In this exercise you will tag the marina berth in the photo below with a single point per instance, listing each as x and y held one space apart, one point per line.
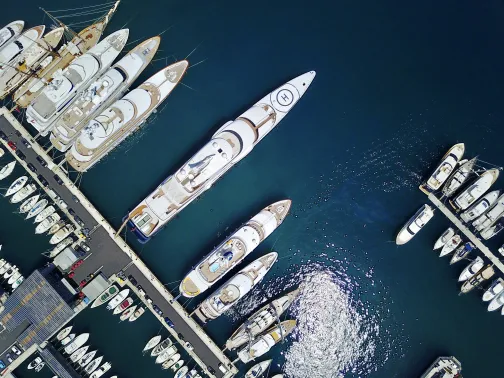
101 92
444 238
11 53
481 206
490 216
7 169
30 60
462 252
444 169
234 249
10 32
235 288
67 84
258 369
484 274
415 224
475 190
495 289
231 143
114 124
471 269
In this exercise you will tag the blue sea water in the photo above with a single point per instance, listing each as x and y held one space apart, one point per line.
397 84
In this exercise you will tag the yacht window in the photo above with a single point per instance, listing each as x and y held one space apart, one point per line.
219 150
122 73
10 29
144 220
18 44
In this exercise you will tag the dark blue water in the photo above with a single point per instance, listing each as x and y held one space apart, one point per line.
397 84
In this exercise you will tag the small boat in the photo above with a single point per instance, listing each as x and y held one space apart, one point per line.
68 339
41 211
444 169
127 313
258 322
39 367
481 206
86 359
34 363
76 343
475 190
181 372
7 170
459 177
444 367
18 282
484 274
108 294
258 369
266 341
118 299
414 224
123 305
177 365
497 302
62 233
137 314
14 278
56 227
462 252
101 370
160 347
23 193
495 289
443 239
166 354
5 267
93 365
16 186
173 359
493 229
152 343
485 220
10 272
64 333
471 269
28 204
47 223
450 246
79 353
60 247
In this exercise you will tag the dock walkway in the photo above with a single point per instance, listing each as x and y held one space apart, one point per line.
473 238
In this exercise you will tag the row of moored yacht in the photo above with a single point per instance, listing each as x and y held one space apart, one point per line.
120 303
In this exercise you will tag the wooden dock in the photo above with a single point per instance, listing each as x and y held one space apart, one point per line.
473 238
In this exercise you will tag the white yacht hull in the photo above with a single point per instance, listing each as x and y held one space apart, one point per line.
481 206
494 290
7 170
16 186
444 238
471 269
475 190
415 224
485 220
10 32
40 211
445 168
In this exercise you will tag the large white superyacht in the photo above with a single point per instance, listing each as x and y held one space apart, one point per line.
235 288
33 58
234 249
66 85
231 143
10 32
12 52
101 92
105 131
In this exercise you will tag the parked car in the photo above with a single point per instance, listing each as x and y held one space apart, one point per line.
180 336
43 181
148 299
157 309
26 143
71 212
211 370
18 133
75 199
3 136
16 350
12 145
132 280
222 368
9 358
85 247
79 221
21 155
141 291
188 345
31 167
168 322
42 162
58 180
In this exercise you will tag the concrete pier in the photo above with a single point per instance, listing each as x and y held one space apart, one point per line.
473 238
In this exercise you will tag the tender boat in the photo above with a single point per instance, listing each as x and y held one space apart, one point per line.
181 373
235 288
177 365
23 193
258 369
13 278
471 269
7 170
47 223
39 367
497 302
34 363
444 238
16 186
231 143
137 314
117 299
109 128
64 333
480 207
490 216
68 339
11 53
108 294
86 359
444 367
76 343
166 354
493 229
475 190
123 305
60 247
495 289
79 353
444 169
172 361
101 92
66 85
484 274
152 343
161 347
28 204
40 211
462 252
93 365
18 282
234 249
128 313
258 322
10 32
101 370
414 224
29 61
62 234
266 341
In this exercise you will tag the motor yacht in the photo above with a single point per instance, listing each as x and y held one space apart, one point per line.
7 170
491 215
76 343
28 204
459 177
444 367
258 369
177 365
47 223
471 269
62 234
127 313
107 295
493 229
495 289
93 365
123 305
444 238
23 193
114 302
79 353
139 312
34 363
64 333
16 186
152 343
497 302
60 247
101 370
462 252
481 206
444 169
414 224
86 359
172 361
161 347
483 274
475 190
12 52
67 340
166 354
181 373
40 212
10 32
